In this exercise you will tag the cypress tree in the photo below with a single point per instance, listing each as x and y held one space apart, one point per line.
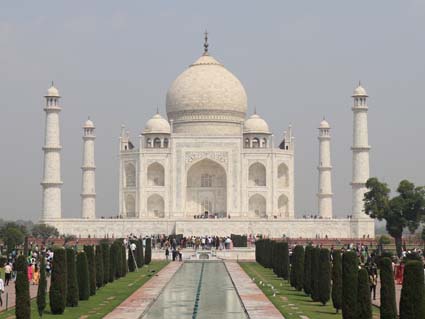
139 247
292 277
22 290
113 258
336 280
72 284
42 288
388 307
324 276
315 261
83 276
148 251
349 285
412 299
131 260
124 269
364 304
58 282
92 268
307 269
118 256
99 266
285 264
105 253
299 267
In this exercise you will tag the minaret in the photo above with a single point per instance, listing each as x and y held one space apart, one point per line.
88 193
51 182
360 152
324 194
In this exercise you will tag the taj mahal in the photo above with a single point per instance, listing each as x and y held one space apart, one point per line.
207 167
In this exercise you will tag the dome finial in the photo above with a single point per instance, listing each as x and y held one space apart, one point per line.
206 43
157 109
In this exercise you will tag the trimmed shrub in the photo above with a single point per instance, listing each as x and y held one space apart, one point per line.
72 284
412 299
105 254
148 251
278 259
131 259
113 259
388 307
58 282
42 288
364 304
91 261
299 267
118 260
99 267
315 261
324 276
139 255
349 285
83 276
285 264
337 280
124 261
307 269
239 240
22 290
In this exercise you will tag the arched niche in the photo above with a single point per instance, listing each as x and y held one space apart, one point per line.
257 175
156 174
130 206
130 175
156 206
257 206
282 205
282 176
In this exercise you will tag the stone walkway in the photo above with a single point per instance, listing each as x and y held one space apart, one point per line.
10 292
135 305
255 302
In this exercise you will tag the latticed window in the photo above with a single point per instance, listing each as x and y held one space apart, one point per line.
206 180
206 206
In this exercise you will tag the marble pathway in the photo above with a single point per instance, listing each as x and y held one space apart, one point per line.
255 302
135 305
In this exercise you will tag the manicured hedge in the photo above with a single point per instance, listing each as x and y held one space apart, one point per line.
337 279
307 269
148 251
105 256
239 240
42 288
388 307
298 264
83 276
91 261
315 262
364 303
349 285
324 276
72 284
58 282
22 289
412 300
99 267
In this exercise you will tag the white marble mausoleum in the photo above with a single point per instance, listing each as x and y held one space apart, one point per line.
206 167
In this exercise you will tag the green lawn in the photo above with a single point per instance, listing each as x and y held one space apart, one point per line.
106 298
291 303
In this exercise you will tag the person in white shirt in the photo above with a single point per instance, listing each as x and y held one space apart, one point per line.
1 291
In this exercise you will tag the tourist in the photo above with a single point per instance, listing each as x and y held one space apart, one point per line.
1 291
36 275
8 273
373 281
167 253
29 272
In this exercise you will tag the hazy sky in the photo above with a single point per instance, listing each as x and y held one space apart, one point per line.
298 60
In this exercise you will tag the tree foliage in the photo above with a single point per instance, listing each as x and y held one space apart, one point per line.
364 304
72 283
99 267
58 282
113 260
91 260
285 266
299 267
42 288
83 276
324 276
336 280
406 210
388 307
139 255
22 290
105 254
349 285
412 300
44 231
131 259
148 252
307 269
124 268
315 262
12 235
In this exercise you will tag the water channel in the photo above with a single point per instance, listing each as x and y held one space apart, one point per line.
198 290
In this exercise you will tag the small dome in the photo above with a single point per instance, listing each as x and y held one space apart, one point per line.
324 124
89 124
360 91
255 124
52 91
157 124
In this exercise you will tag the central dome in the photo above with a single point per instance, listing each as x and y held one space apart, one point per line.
206 92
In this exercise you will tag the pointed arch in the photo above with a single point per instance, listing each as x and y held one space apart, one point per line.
282 176
257 206
130 206
156 176
156 206
257 175
283 206
130 175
